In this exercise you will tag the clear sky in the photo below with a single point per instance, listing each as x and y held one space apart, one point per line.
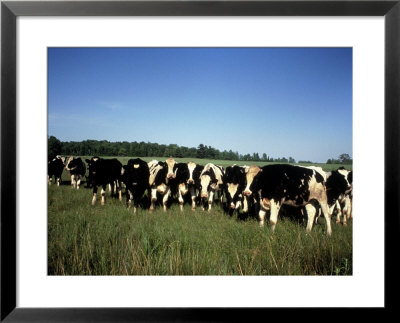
285 102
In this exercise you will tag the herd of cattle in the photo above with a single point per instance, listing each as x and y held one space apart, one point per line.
246 188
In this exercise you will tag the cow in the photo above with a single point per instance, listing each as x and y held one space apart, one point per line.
292 185
211 182
77 170
194 181
55 168
234 185
103 172
161 174
339 192
135 175
187 179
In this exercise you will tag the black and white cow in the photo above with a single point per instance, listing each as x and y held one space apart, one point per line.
55 168
103 172
135 175
292 185
77 170
339 192
234 184
194 181
161 174
187 179
211 182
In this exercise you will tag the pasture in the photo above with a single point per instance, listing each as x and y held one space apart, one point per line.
111 240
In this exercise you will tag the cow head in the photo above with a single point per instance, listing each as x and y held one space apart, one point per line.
208 181
191 168
170 163
250 178
73 163
133 171
234 179
93 166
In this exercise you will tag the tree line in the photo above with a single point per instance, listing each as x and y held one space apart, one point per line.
147 149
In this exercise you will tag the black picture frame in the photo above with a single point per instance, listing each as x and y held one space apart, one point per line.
10 10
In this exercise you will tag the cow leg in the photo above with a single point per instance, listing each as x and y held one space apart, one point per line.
261 216
153 199
94 194
311 212
349 210
165 199
193 195
327 215
72 181
78 182
338 212
49 179
129 198
103 194
273 219
346 210
119 190
180 199
58 181
210 200
245 205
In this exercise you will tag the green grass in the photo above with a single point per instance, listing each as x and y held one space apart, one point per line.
111 240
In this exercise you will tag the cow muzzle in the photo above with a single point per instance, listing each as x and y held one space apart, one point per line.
171 175
204 195
232 206
190 181
247 193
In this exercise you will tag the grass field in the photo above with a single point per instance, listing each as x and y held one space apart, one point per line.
111 240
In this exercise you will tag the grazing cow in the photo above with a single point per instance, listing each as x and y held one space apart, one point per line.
55 168
77 169
293 185
234 184
339 190
187 179
161 174
135 175
103 172
211 182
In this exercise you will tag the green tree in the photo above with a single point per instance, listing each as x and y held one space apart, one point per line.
201 151
54 147
345 159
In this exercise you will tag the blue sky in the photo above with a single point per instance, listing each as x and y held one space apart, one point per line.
285 102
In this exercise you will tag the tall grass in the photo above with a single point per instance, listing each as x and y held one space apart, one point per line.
112 240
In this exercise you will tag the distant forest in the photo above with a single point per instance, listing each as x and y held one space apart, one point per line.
143 149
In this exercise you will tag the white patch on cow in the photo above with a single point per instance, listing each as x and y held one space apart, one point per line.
154 168
69 160
318 170
232 189
238 205
162 189
136 165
